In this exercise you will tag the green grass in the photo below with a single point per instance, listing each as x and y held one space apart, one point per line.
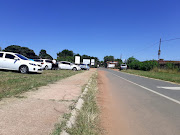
60 126
162 75
13 83
87 119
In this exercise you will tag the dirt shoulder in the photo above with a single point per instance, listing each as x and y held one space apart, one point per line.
112 119
38 111
104 100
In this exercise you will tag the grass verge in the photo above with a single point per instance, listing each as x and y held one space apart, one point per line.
13 83
87 119
167 76
60 126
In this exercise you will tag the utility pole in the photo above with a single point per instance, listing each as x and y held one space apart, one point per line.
159 51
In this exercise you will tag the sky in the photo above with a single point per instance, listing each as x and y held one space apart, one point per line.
122 28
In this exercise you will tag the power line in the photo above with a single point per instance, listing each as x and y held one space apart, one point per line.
170 39
146 47
156 44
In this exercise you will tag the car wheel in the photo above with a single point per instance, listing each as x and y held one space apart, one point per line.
46 67
23 69
74 69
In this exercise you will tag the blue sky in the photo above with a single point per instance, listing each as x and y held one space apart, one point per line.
93 27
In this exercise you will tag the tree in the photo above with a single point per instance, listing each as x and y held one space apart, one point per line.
0 49
65 55
44 55
133 63
77 54
131 59
119 62
22 50
108 58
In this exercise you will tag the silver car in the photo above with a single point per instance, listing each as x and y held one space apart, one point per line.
123 66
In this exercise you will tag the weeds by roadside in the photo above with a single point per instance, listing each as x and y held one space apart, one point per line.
13 83
172 71
87 119
59 126
167 76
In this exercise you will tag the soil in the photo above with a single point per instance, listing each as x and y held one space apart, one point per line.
112 120
104 100
36 112
115 69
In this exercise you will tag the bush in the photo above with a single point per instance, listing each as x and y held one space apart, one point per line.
146 65
170 66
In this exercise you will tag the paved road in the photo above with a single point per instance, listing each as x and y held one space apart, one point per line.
151 107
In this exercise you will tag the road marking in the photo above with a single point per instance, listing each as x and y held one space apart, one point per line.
169 88
153 91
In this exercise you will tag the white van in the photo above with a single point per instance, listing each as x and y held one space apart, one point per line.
18 62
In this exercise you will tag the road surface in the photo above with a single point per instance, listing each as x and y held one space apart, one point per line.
149 106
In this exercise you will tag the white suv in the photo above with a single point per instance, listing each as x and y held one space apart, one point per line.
68 65
46 63
14 61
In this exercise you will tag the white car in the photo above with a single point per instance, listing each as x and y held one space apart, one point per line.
68 65
14 61
46 63
123 66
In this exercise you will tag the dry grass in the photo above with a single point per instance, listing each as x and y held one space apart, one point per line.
13 83
167 75
87 119
171 71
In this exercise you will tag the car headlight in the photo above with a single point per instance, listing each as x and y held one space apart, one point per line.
32 64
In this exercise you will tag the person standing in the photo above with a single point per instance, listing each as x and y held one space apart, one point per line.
54 63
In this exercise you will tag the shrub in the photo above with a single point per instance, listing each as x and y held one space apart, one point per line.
146 65
170 66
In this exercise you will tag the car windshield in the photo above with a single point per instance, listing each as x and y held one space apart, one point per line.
22 57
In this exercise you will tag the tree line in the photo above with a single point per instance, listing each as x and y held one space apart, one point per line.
64 55
134 63
148 65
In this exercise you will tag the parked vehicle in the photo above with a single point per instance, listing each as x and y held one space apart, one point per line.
18 62
84 66
46 63
123 66
68 65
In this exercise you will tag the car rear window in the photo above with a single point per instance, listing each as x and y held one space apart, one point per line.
123 65
1 55
9 56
